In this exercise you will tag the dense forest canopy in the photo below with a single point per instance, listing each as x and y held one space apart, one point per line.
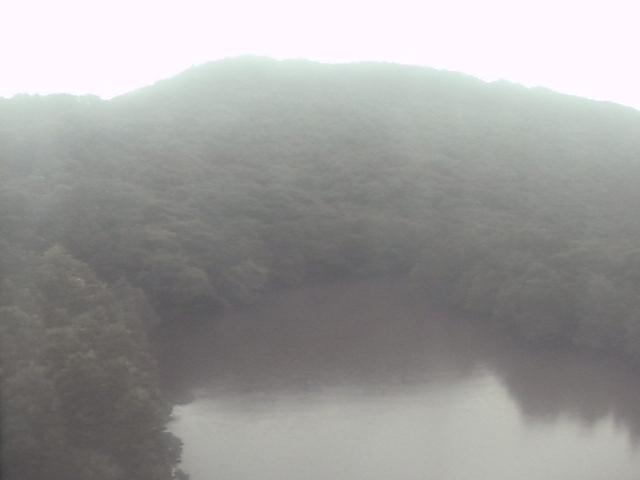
246 175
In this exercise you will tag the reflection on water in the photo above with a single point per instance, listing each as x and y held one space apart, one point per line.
366 381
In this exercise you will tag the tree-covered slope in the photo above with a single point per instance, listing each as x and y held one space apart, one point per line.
204 190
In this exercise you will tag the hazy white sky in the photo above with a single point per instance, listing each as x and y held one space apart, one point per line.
108 47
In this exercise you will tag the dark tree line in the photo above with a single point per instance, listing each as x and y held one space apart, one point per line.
243 176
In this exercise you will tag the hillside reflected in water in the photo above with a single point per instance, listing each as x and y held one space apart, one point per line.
356 346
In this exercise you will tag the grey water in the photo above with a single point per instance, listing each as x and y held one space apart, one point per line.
366 380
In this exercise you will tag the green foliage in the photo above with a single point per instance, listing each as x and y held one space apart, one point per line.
78 384
245 175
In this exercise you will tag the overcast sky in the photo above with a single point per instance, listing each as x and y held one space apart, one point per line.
108 47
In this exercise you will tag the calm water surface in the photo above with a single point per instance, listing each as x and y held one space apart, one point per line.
360 381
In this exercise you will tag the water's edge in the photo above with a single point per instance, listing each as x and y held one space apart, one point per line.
301 361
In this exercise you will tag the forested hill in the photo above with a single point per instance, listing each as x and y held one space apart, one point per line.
245 175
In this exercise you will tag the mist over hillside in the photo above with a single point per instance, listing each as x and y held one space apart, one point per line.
239 177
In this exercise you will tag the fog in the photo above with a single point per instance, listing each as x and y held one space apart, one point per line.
87 47
186 258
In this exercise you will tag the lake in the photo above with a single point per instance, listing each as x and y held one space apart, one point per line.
366 380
